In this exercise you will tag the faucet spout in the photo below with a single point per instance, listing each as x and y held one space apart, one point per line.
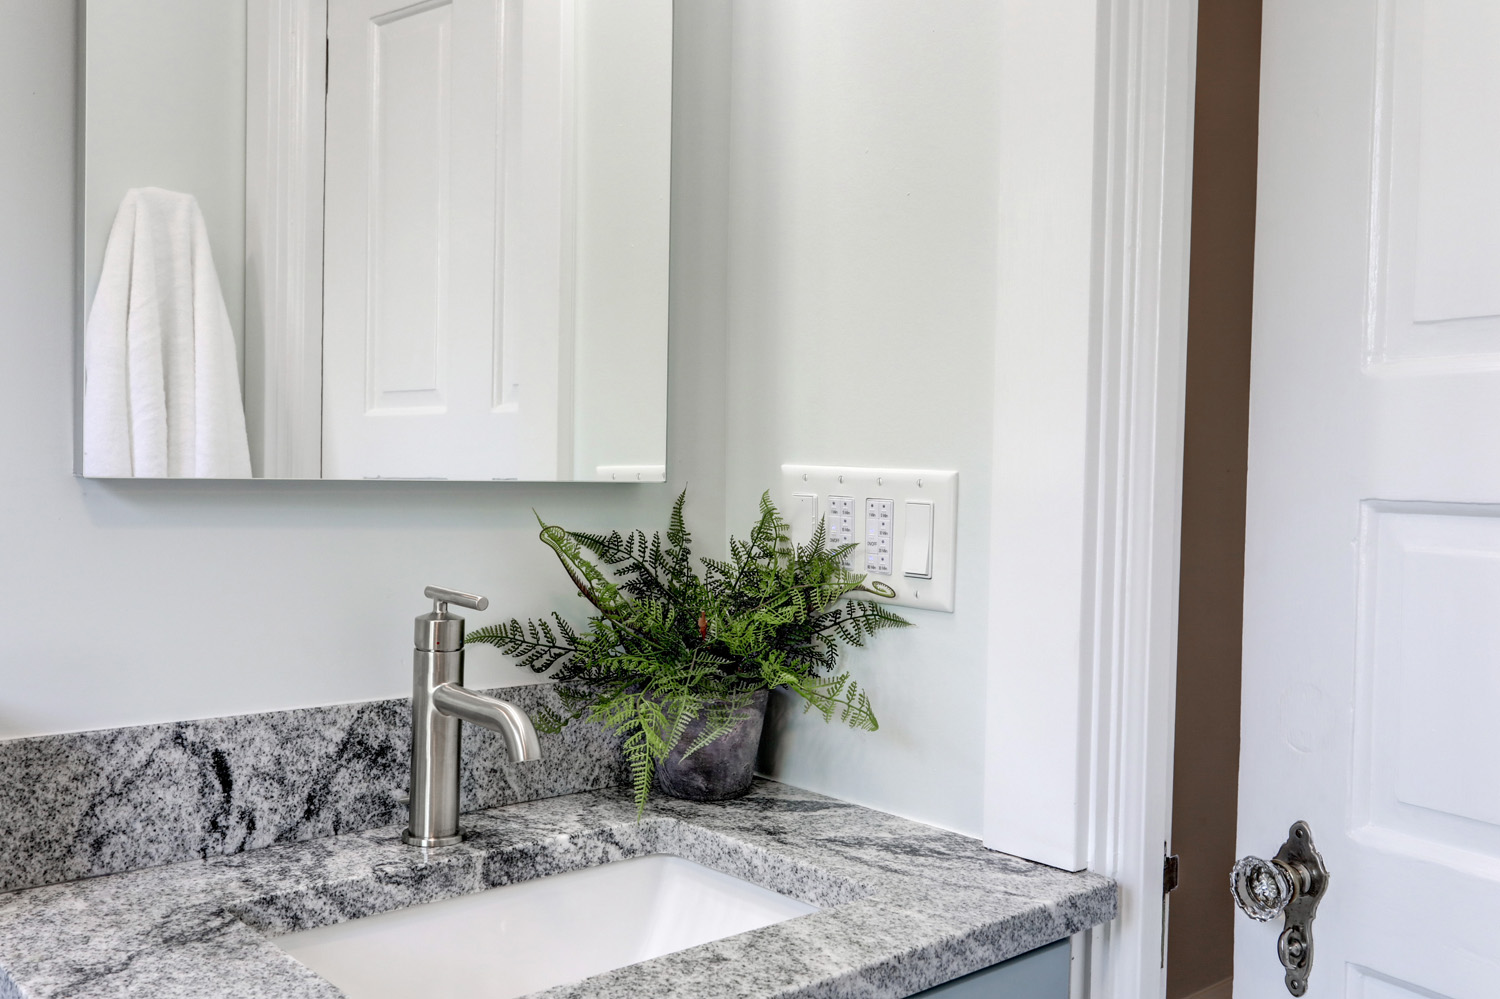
513 724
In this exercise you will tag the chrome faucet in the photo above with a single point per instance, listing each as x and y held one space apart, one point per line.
439 703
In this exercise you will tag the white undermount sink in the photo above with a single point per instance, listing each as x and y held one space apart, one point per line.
522 938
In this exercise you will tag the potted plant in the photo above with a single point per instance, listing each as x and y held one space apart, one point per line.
678 659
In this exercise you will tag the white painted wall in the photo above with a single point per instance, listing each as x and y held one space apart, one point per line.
862 321
166 99
127 603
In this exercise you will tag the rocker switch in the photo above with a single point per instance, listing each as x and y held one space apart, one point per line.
916 554
804 516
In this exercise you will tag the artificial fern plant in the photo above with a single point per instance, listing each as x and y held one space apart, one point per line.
667 642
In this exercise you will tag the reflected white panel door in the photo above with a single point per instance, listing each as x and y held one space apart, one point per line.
1372 599
443 228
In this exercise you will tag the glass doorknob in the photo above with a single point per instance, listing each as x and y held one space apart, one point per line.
1290 884
1262 888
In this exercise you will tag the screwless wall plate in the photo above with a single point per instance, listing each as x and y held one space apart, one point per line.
876 508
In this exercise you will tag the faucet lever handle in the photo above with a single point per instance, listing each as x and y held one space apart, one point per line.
443 595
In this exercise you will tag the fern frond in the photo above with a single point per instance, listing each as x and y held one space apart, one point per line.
592 583
533 645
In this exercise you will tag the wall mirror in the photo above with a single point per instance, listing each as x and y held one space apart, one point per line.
375 239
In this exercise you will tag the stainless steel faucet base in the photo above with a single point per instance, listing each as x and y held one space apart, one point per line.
439 706
431 841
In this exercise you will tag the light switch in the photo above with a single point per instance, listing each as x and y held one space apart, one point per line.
804 516
916 554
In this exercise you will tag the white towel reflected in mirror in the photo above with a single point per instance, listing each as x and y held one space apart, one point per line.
162 397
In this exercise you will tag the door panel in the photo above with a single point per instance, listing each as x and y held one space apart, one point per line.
1435 224
1372 596
1365 985
409 111
1428 685
447 129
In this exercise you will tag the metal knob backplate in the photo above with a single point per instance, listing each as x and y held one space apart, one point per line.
1290 884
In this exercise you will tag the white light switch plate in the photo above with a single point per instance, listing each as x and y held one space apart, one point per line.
900 486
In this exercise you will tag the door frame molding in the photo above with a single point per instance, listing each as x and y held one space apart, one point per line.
286 43
1148 76
1096 163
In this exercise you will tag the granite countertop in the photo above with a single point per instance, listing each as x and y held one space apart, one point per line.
904 906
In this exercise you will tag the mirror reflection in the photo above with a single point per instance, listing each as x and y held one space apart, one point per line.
375 239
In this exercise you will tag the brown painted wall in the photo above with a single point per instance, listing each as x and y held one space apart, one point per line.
1201 931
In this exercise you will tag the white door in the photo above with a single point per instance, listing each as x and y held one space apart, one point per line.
443 236
1371 701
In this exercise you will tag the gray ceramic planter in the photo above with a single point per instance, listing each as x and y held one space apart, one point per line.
722 769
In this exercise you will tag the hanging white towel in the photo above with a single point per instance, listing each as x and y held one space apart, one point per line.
162 396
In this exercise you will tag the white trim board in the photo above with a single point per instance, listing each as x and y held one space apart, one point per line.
1096 149
1151 63
1041 495
287 42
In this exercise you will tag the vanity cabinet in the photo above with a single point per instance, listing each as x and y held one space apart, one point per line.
1040 974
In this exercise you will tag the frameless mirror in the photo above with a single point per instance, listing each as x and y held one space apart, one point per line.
375 239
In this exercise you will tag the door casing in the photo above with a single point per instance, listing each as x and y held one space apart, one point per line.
1101 680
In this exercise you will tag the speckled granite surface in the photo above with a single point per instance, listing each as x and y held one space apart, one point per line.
91 803
904 906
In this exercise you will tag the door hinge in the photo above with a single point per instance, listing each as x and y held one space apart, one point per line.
1169 874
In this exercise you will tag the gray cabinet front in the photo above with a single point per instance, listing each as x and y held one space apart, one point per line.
1040 974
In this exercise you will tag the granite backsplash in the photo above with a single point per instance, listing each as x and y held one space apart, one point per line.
90 803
